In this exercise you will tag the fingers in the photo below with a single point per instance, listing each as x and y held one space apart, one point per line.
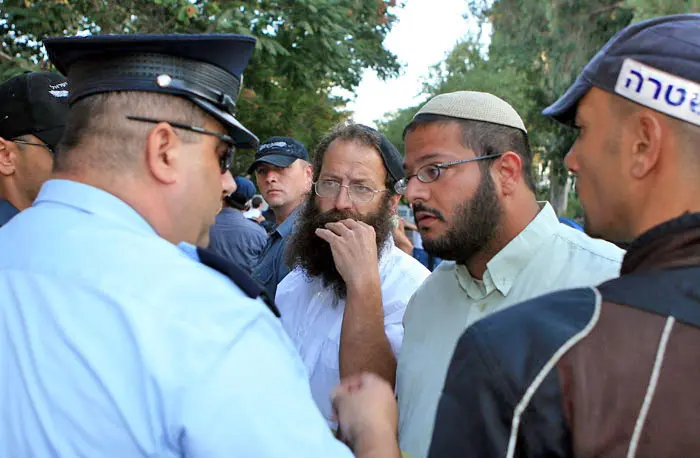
325 234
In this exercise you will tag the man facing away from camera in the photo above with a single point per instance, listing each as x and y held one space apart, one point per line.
119 337
343 303
234 236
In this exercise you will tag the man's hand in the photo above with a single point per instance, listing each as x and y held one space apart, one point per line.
354 247
367 415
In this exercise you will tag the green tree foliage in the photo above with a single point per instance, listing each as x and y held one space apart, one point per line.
304 48
536 50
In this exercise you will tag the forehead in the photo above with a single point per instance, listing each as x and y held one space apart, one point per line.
435 141
352 159
593 104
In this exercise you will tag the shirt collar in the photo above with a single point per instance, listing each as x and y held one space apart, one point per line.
7 210
287 225
503 269
92 200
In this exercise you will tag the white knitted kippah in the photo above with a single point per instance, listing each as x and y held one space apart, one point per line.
477 106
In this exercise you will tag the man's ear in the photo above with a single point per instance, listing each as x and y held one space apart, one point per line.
163 153
8 157
308 176
646 151
394 204
508 172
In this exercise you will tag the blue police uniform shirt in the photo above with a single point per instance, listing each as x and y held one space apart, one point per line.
271 268
7 211
237 238
118 343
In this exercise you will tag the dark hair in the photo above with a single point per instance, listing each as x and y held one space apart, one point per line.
109 141
349 131
485 138
235 201
256 202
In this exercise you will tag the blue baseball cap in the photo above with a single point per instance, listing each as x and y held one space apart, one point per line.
206 69
655 63
245 190
280 152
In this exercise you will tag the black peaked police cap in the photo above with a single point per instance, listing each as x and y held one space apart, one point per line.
206 69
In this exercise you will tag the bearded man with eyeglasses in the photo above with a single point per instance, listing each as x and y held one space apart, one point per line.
468 166
33 110
344 300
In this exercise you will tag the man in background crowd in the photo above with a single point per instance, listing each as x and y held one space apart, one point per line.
255 210
283 173
234 236
33 110
468 166
343 303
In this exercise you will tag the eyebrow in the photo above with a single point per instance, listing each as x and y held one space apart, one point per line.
353 180
429 158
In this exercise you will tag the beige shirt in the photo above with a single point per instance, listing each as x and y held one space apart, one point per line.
545 257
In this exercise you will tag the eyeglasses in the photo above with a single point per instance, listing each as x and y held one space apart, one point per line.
22 142
225 160
329 189
431 172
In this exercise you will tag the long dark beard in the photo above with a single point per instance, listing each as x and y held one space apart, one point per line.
313 254
475 224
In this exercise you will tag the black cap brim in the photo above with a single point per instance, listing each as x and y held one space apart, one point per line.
243 137
278 160
564 109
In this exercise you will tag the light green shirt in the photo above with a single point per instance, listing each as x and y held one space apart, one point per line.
545 257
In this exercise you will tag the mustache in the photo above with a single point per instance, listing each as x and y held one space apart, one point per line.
419 207
333 216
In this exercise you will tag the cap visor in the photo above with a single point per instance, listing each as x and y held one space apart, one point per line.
278 160
564 109
241 135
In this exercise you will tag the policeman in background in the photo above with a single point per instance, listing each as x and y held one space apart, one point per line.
33 110
234 236
117 338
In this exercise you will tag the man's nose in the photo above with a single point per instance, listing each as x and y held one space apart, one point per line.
228 184
342 200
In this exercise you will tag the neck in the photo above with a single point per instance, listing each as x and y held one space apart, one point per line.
513 222
131 191
10 193
282 213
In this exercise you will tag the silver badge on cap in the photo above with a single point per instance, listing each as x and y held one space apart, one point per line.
164 80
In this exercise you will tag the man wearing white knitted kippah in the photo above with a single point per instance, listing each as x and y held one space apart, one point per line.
468 177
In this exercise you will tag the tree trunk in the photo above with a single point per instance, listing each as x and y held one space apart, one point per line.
559 184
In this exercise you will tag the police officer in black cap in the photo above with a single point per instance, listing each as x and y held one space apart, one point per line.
33 110
120 338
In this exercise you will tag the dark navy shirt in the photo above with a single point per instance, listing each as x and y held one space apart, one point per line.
271 268
237 238
7 211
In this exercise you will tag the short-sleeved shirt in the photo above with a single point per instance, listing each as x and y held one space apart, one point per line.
7 211
546 256
117 343
271 267
237 238
313 316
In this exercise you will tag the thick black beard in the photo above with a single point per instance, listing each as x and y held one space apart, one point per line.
475 224
313 254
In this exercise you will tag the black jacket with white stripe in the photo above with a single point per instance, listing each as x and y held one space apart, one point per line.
602 372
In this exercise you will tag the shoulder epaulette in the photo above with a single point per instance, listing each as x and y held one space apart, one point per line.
237 275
